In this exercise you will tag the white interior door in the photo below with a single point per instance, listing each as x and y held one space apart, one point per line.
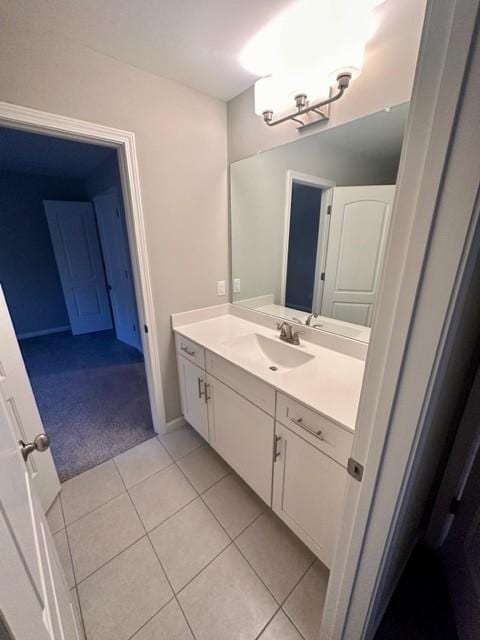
113 238
34 598
356 244
73 231
17 393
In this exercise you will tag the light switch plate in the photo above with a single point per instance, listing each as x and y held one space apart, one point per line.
221 287
236 285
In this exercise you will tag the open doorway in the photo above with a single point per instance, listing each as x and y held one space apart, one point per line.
67 276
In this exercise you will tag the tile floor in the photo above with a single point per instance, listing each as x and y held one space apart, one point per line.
166 541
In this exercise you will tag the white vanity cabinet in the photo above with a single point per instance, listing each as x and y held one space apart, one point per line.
308 491
294 458
243 435
193 395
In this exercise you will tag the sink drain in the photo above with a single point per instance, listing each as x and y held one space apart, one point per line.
273 368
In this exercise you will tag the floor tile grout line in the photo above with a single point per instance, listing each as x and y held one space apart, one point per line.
104 564
203 568
287 615
280 603
232 541
174 596
121 478
63 482
240 551
265 627
171 586
82 620
293 589
206 444
150 619
150 475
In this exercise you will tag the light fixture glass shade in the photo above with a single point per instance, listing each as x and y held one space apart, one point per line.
310 34
272 94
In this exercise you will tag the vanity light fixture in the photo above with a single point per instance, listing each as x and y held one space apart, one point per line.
310 47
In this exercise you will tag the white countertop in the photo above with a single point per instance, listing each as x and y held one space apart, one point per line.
329 383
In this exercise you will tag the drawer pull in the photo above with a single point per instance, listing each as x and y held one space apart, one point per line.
276 448
187 350
317 433
200 392
207 387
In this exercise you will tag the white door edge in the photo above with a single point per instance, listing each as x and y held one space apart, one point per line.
378 507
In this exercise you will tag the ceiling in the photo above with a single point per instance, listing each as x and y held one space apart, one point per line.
195 42
24 152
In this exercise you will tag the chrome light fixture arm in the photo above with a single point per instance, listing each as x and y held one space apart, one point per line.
343 82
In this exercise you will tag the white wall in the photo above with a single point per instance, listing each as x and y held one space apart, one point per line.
258 203
182 153
386 79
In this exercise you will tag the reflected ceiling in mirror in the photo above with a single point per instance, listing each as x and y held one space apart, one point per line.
309 223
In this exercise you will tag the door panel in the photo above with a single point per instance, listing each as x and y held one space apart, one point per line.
308 492
114 241
192 391
17 392
76 246
33 594
358 230
235 424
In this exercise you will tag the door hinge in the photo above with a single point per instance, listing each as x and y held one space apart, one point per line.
134 327
322 276
454 506
329 210
117 212
145 328
355 469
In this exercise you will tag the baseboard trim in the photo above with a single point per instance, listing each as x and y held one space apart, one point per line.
175 424
43 332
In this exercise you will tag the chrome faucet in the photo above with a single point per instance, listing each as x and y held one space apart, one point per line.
309 318
288 333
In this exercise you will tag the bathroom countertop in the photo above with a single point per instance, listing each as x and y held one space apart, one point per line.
329 383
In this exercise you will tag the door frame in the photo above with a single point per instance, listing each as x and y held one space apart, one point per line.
418 334
35 121
327 187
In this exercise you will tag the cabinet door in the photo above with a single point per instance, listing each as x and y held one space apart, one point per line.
192 390
243 435
308 492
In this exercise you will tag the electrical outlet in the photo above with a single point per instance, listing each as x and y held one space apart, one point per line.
236 285
221 287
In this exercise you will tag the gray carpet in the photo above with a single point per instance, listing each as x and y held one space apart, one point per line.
92 395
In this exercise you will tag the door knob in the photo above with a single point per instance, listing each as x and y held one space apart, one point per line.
40 443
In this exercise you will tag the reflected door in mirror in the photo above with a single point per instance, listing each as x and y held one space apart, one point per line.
356 244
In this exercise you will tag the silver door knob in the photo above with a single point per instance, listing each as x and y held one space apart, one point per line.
40 443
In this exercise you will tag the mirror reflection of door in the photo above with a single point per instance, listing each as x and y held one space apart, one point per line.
356 243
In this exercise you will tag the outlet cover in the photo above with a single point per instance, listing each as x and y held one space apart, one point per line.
236 285
221 287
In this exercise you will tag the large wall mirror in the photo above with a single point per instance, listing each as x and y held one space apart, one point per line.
309 223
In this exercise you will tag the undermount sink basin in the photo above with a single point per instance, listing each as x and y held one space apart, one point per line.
262 351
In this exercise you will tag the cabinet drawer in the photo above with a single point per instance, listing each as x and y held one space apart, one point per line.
259 393
190 350
320 432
